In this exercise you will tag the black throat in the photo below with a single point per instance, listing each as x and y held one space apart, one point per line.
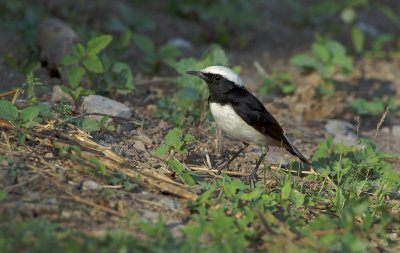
225 92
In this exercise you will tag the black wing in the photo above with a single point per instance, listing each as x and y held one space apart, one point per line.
251 110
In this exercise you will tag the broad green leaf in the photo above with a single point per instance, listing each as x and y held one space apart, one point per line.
255 194
69 60
93 64
8 110
169 52
144 43
125 71
320 51
348 15
297 198
303 60
179 169
90 125
173 136
79 50
286 189
3 195
30 113
97 44
358 39
75 75
161 150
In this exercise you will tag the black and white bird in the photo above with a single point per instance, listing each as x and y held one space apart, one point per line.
240 114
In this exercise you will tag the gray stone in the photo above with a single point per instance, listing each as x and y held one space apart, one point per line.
55 40
396 131
58 94
138 145
100 104
169 202
90 185
181 44
342 132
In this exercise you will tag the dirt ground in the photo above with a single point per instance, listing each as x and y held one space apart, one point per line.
48 191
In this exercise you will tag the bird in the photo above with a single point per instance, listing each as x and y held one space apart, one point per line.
240 115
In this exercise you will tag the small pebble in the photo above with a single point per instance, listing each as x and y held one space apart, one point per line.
90 185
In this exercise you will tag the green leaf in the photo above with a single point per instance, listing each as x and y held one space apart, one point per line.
348 15
303 60
144 43
90 125
183 174
161 150
173 136
69 60
168 52
297 198
286 189
93 64
358 39
321 52
3 195
75 75
255 194
79 50
95 45
30 113
8 110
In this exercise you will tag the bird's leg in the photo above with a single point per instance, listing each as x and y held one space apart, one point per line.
222 165
253 175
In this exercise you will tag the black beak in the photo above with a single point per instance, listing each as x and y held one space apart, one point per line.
198 74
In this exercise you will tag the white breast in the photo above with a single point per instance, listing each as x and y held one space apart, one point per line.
233 125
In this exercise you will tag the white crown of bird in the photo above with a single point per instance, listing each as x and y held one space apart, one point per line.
225 72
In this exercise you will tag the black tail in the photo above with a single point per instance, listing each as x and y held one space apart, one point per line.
294 151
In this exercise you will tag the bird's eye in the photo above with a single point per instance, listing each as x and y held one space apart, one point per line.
217 77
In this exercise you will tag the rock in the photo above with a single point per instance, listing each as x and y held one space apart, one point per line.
138 145
342 132
150 216
90 185
181 44
55 39
276 158
169 202
100 104
58 94
395 195
49 155
396 131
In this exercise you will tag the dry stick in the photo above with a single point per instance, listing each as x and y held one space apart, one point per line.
195 168
163 183
97 114
378 126
15 186
76 198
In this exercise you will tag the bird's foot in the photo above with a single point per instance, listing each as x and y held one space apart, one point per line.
252 178
222 165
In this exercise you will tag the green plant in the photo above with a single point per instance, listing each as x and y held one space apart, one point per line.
84 62
275 83
327 58
226 20
189 103
153 56
25 67
376 107
29 86
22 120
176 142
